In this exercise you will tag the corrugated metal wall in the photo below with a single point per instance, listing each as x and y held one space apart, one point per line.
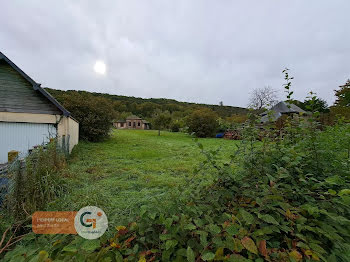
23 136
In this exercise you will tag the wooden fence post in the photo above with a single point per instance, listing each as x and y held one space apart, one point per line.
12 155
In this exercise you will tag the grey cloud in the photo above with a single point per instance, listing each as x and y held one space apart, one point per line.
200 51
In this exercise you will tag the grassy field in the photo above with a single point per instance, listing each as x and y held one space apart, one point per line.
124 172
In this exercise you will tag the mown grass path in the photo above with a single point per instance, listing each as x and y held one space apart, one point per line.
124 172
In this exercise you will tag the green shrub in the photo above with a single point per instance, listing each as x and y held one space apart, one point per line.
94 114
203 123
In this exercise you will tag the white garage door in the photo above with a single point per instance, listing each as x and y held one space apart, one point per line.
23 136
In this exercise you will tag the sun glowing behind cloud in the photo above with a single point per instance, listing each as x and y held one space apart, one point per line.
100 67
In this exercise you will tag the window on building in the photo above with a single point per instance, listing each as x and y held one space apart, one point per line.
139 124
129 123
121 124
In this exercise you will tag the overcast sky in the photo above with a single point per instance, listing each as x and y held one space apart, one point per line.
189 50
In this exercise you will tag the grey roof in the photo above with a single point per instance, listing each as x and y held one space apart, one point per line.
121 121
285 107
35 85
278 110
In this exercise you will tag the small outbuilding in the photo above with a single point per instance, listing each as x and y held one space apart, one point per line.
29 115
281 109
132 122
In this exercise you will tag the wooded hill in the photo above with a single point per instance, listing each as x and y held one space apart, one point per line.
146 107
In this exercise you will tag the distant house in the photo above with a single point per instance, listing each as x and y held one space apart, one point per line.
30 116
132 122
279 110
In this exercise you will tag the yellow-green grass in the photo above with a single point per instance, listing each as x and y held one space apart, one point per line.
131 167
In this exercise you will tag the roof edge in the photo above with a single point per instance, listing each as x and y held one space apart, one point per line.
36 86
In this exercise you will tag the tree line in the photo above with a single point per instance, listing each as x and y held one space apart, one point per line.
96 113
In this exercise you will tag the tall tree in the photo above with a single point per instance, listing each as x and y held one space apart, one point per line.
261 98
341 105
343 95
315 104
161 120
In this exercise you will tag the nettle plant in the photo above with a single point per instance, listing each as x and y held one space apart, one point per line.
283 197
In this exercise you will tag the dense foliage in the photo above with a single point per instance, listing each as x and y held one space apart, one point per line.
318 104
343 95
203 123
146 108
94 114
341 106
96 111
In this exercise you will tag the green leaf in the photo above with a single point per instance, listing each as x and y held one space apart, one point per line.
332 192
246 216
232 230
208 256
90 245
118 256
334 180
190 226
268 219
198 222
214 229
165 237
344 192
43 255
168 222
249 244
190 255
143 210
70 248
170 243
203 237
237 245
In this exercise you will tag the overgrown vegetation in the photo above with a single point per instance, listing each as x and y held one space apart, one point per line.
34 182
285 198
